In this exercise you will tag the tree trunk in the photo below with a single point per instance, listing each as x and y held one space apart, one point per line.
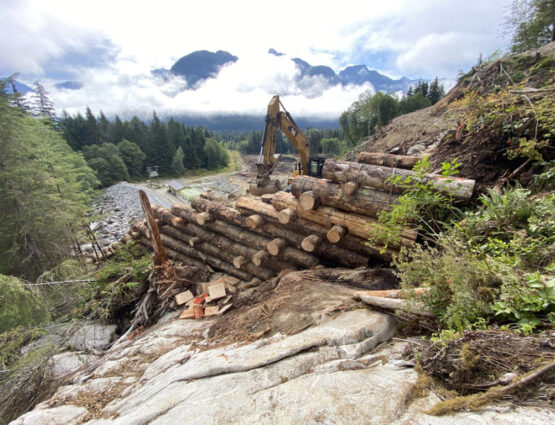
365 201
356 225
388 160
376 176
160 257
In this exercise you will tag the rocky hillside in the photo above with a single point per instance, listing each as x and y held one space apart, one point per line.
298 350
455 128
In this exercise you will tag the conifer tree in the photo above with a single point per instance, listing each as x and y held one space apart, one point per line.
42 106
436 91
44 185
177 162
532 23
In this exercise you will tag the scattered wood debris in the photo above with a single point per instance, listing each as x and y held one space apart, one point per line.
214 300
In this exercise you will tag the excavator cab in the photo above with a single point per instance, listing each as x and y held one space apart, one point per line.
315 166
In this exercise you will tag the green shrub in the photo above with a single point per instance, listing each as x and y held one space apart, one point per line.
421 205
461 286
495 264
18 305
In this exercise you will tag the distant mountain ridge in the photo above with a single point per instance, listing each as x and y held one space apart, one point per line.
201 65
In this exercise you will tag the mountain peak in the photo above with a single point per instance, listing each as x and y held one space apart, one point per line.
201 65
274 52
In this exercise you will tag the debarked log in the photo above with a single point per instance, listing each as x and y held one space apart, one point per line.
357 225
365 201
227 250
295 233
185 249
389 160
379 177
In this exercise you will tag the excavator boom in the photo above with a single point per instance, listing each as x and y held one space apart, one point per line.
277 119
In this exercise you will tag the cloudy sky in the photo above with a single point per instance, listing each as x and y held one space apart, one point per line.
112 45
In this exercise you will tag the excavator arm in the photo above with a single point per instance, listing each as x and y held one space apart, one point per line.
276 119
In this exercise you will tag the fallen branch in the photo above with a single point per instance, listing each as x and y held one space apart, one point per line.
476 401
393 304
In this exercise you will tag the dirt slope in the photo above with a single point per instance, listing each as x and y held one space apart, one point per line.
440 129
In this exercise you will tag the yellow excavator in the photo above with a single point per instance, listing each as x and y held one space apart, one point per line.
277 119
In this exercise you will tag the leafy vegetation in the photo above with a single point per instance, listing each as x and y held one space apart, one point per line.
421 205
493 265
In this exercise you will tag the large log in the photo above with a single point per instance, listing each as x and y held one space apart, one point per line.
357 225
240 234
388 159
220 247
188 251
223 212
365 201
376 177
354 255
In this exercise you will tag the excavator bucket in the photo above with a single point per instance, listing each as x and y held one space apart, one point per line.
271 186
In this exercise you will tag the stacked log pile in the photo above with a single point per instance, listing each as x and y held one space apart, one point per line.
322 221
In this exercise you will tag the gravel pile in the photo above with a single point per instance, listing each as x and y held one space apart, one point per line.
119 205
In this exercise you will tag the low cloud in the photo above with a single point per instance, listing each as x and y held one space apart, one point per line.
246 86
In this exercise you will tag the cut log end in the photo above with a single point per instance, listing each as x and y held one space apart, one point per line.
350 188
194 241
287 216
255 221
276 246
308 200
203 218
311 243
267 198
260 258
239 261
336 233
